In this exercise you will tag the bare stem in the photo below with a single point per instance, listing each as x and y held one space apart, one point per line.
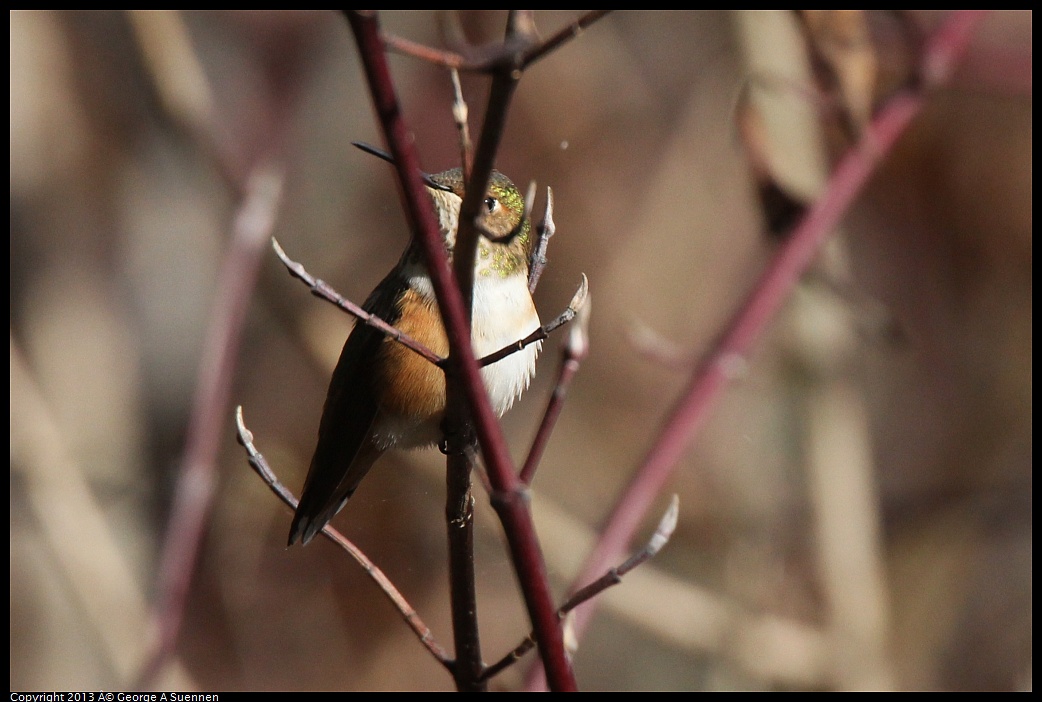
261 467
490 57
667 525
459 116
573 351
544 231
320 288
459 519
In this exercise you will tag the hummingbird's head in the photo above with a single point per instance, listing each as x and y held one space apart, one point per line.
505 239
504 244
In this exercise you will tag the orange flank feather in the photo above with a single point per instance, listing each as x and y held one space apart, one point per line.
412 386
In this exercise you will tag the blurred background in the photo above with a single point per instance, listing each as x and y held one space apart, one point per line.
857 512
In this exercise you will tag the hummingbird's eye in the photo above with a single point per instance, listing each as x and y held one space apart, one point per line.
491 203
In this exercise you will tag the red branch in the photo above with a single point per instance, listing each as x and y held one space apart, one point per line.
516 519
690 412
193 497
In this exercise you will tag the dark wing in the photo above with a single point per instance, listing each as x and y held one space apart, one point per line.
345 453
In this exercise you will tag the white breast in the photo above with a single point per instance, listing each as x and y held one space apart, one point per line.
503 314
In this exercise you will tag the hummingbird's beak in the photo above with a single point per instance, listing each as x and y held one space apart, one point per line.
380 153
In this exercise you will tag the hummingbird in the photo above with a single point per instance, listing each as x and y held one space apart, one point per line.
383 395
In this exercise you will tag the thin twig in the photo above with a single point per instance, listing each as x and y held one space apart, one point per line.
577 303
573 351
544 231
320 288
659 539
667 525
564 34
459 116
490 57
438 57
261 467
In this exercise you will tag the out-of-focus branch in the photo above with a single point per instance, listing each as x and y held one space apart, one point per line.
193 495
184 90
690 412
85 547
